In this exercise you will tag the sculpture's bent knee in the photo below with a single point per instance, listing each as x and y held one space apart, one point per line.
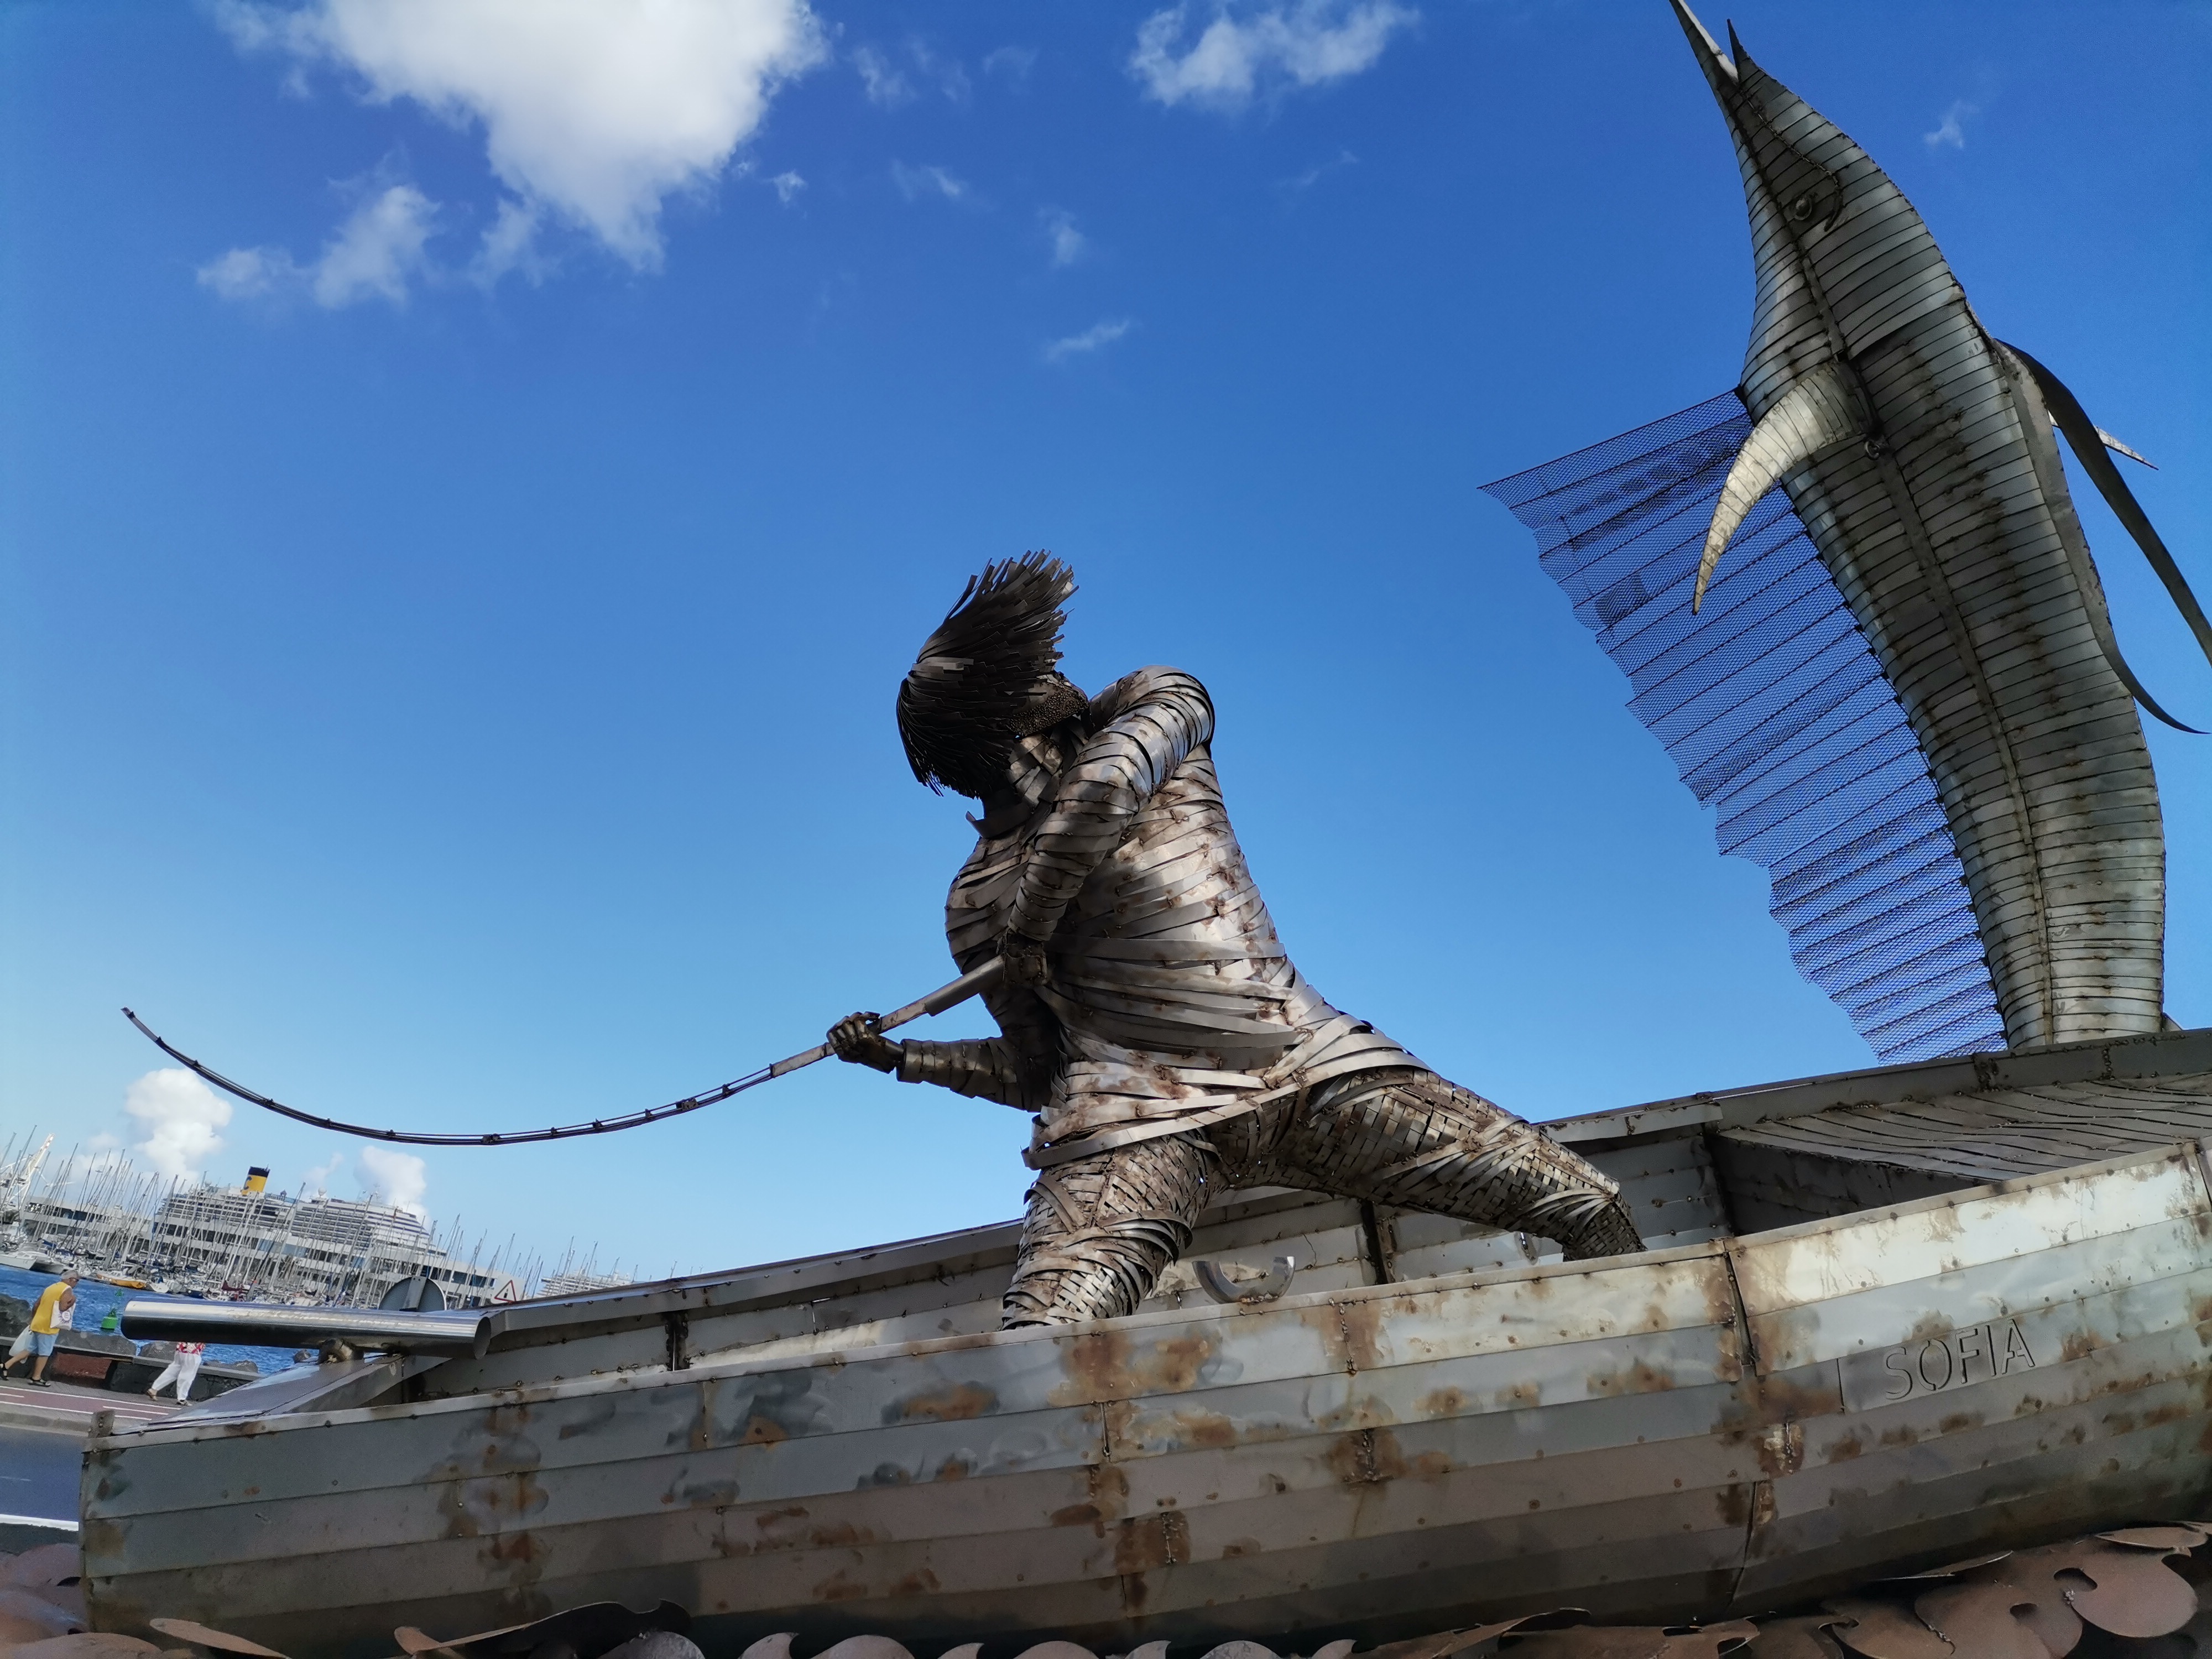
1101 1230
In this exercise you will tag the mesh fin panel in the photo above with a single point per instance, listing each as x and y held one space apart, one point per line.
1777 716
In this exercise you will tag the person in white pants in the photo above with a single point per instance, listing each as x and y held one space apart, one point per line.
182 1370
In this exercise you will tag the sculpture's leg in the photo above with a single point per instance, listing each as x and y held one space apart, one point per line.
1101 1229
1413 1140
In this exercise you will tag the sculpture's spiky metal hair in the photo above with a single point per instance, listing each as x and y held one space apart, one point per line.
988 676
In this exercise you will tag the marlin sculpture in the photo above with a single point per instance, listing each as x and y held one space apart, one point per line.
2014 896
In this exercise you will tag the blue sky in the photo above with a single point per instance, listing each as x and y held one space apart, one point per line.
469 499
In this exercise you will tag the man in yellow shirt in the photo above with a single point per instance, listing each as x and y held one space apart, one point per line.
44 1329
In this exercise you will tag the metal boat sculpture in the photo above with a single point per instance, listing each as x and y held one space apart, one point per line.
1963 1304
1885 1319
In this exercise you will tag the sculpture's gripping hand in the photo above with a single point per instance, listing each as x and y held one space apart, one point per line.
1024 959
859 1039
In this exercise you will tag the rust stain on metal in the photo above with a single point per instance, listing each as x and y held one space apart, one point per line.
1810 1391
1641 1378
1144 1542
1780 1448
1360 1325
1452 1402
1104 1366
1202 1428
1107 1500
957 1403
1366 1457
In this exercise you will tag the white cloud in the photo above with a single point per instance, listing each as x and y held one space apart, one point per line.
392 1177
511 245
249 273
1091 339
1015 63
1953 129
318 1178
916 182
945 73
179 1116
593 111
881 79
788 185
1243 50
376 251
1299 182
889 79
374 254
1068 243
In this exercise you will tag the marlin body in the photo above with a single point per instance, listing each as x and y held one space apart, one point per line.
1918 451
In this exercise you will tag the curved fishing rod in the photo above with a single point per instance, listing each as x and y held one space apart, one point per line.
945 996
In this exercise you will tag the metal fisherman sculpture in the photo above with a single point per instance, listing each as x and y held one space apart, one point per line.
1149 1015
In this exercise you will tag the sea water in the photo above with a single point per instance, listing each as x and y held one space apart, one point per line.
95 1301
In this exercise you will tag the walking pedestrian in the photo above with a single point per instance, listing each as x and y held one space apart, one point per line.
55 1304
184 1367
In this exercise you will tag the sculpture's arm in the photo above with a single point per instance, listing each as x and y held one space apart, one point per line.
986 1068
1144 727
1015 1069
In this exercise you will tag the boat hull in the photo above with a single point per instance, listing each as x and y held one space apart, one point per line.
1724 1427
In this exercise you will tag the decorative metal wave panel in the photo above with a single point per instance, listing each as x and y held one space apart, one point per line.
1777 716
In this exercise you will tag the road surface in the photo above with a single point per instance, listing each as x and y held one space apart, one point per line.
37 1472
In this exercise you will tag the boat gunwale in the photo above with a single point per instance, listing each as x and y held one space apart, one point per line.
2093 1059
172 1430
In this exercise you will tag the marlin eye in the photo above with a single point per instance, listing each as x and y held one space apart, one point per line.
1801 209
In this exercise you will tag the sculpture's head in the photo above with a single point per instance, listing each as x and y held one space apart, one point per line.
988 679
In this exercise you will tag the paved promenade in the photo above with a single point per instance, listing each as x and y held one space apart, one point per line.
66 1408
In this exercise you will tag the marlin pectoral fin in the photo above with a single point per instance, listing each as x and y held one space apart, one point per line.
1817 413
2119 448
2088 445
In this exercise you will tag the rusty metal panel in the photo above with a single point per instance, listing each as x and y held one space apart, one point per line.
1823 1290
1979 1370
1138 1470
1427 1246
